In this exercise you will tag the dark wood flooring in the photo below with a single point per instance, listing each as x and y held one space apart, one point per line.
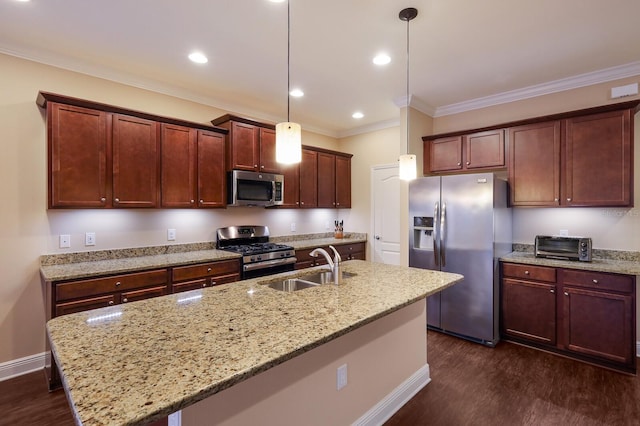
471 385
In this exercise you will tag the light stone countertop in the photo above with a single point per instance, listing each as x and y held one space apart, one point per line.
150 358
132 261
597 265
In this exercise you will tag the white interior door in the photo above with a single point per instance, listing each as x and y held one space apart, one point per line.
385 189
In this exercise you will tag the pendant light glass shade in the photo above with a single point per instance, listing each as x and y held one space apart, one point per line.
407 167
288 143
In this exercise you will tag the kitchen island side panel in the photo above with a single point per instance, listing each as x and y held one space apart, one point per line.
379 357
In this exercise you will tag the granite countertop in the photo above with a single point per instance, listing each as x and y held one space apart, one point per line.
92 264
598 265
145 360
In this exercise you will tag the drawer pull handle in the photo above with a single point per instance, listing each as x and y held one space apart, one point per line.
566 294
117 283
213 282
552 291
125 300
208 269
526 272
110 302
204 284
595 281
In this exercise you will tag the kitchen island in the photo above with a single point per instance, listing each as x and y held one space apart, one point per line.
139 362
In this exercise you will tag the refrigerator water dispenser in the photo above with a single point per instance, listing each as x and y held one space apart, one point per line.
423 232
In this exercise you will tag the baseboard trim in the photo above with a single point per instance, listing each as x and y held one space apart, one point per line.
383 410
20 366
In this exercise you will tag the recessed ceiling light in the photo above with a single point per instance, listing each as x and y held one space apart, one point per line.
296 93
276 1
198 58
381 59
357 115
23 1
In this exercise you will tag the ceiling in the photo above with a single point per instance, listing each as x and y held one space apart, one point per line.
463 54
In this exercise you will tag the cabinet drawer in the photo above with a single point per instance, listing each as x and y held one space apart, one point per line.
84 288
346 249
598 280
192 272
84 305
529 272
147 293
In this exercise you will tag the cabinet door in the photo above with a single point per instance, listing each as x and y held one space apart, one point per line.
445 154
268 151
245 148
326 180
212 188
135 162
309 179
77 157
599 324
291 174
343 182
484 149
529 310
534 164
178 166
598 160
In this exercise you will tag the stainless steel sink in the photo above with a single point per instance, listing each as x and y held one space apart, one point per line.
306 281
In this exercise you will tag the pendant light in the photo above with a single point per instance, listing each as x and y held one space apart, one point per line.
288 134
407 169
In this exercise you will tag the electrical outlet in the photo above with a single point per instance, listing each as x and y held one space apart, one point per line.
65 241
90 239
341 377
171 234
293 227
564 233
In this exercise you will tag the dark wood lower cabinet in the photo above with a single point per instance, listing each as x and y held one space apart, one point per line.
590 316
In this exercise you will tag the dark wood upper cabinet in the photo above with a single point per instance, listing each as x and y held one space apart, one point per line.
268 151
178 166
308 179
135 162
78 144
291 173
598 160
211 169
103 156
343 182
326 180
534 164
474 151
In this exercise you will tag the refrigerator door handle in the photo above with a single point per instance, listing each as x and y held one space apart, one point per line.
443 228
436 253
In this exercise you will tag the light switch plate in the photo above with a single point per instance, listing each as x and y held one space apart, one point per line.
65 241
341 378
171 234
90 239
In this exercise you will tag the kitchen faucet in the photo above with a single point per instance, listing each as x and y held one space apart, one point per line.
334 264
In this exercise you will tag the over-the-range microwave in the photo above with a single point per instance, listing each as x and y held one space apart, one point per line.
254 189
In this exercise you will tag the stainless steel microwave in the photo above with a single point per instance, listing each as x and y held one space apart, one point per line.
566 248
254 189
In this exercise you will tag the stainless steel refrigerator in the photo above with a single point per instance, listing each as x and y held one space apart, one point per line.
461 224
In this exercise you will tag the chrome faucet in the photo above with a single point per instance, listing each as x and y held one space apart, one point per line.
334 264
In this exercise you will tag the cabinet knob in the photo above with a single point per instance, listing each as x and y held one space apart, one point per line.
337 204
204 284
302 202
333 204
595 281
262 167
526 272
569 199
459 164
255 165
125 300
117 283
555 199
110 302
193 201
208 269
103 200
552 291
117 200
297 202
468 162
213 282
566 294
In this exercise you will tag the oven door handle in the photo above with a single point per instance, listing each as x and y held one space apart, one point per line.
269 263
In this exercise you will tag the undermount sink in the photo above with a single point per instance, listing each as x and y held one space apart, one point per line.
306 281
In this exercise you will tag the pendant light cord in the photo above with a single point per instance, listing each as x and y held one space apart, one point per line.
408 100
288 56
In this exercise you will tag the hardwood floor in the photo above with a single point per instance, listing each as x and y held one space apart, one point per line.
514 385
471 385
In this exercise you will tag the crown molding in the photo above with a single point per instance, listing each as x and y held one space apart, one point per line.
415 103
581 80
380 125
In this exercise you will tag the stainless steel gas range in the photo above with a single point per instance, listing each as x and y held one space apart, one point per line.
259 256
